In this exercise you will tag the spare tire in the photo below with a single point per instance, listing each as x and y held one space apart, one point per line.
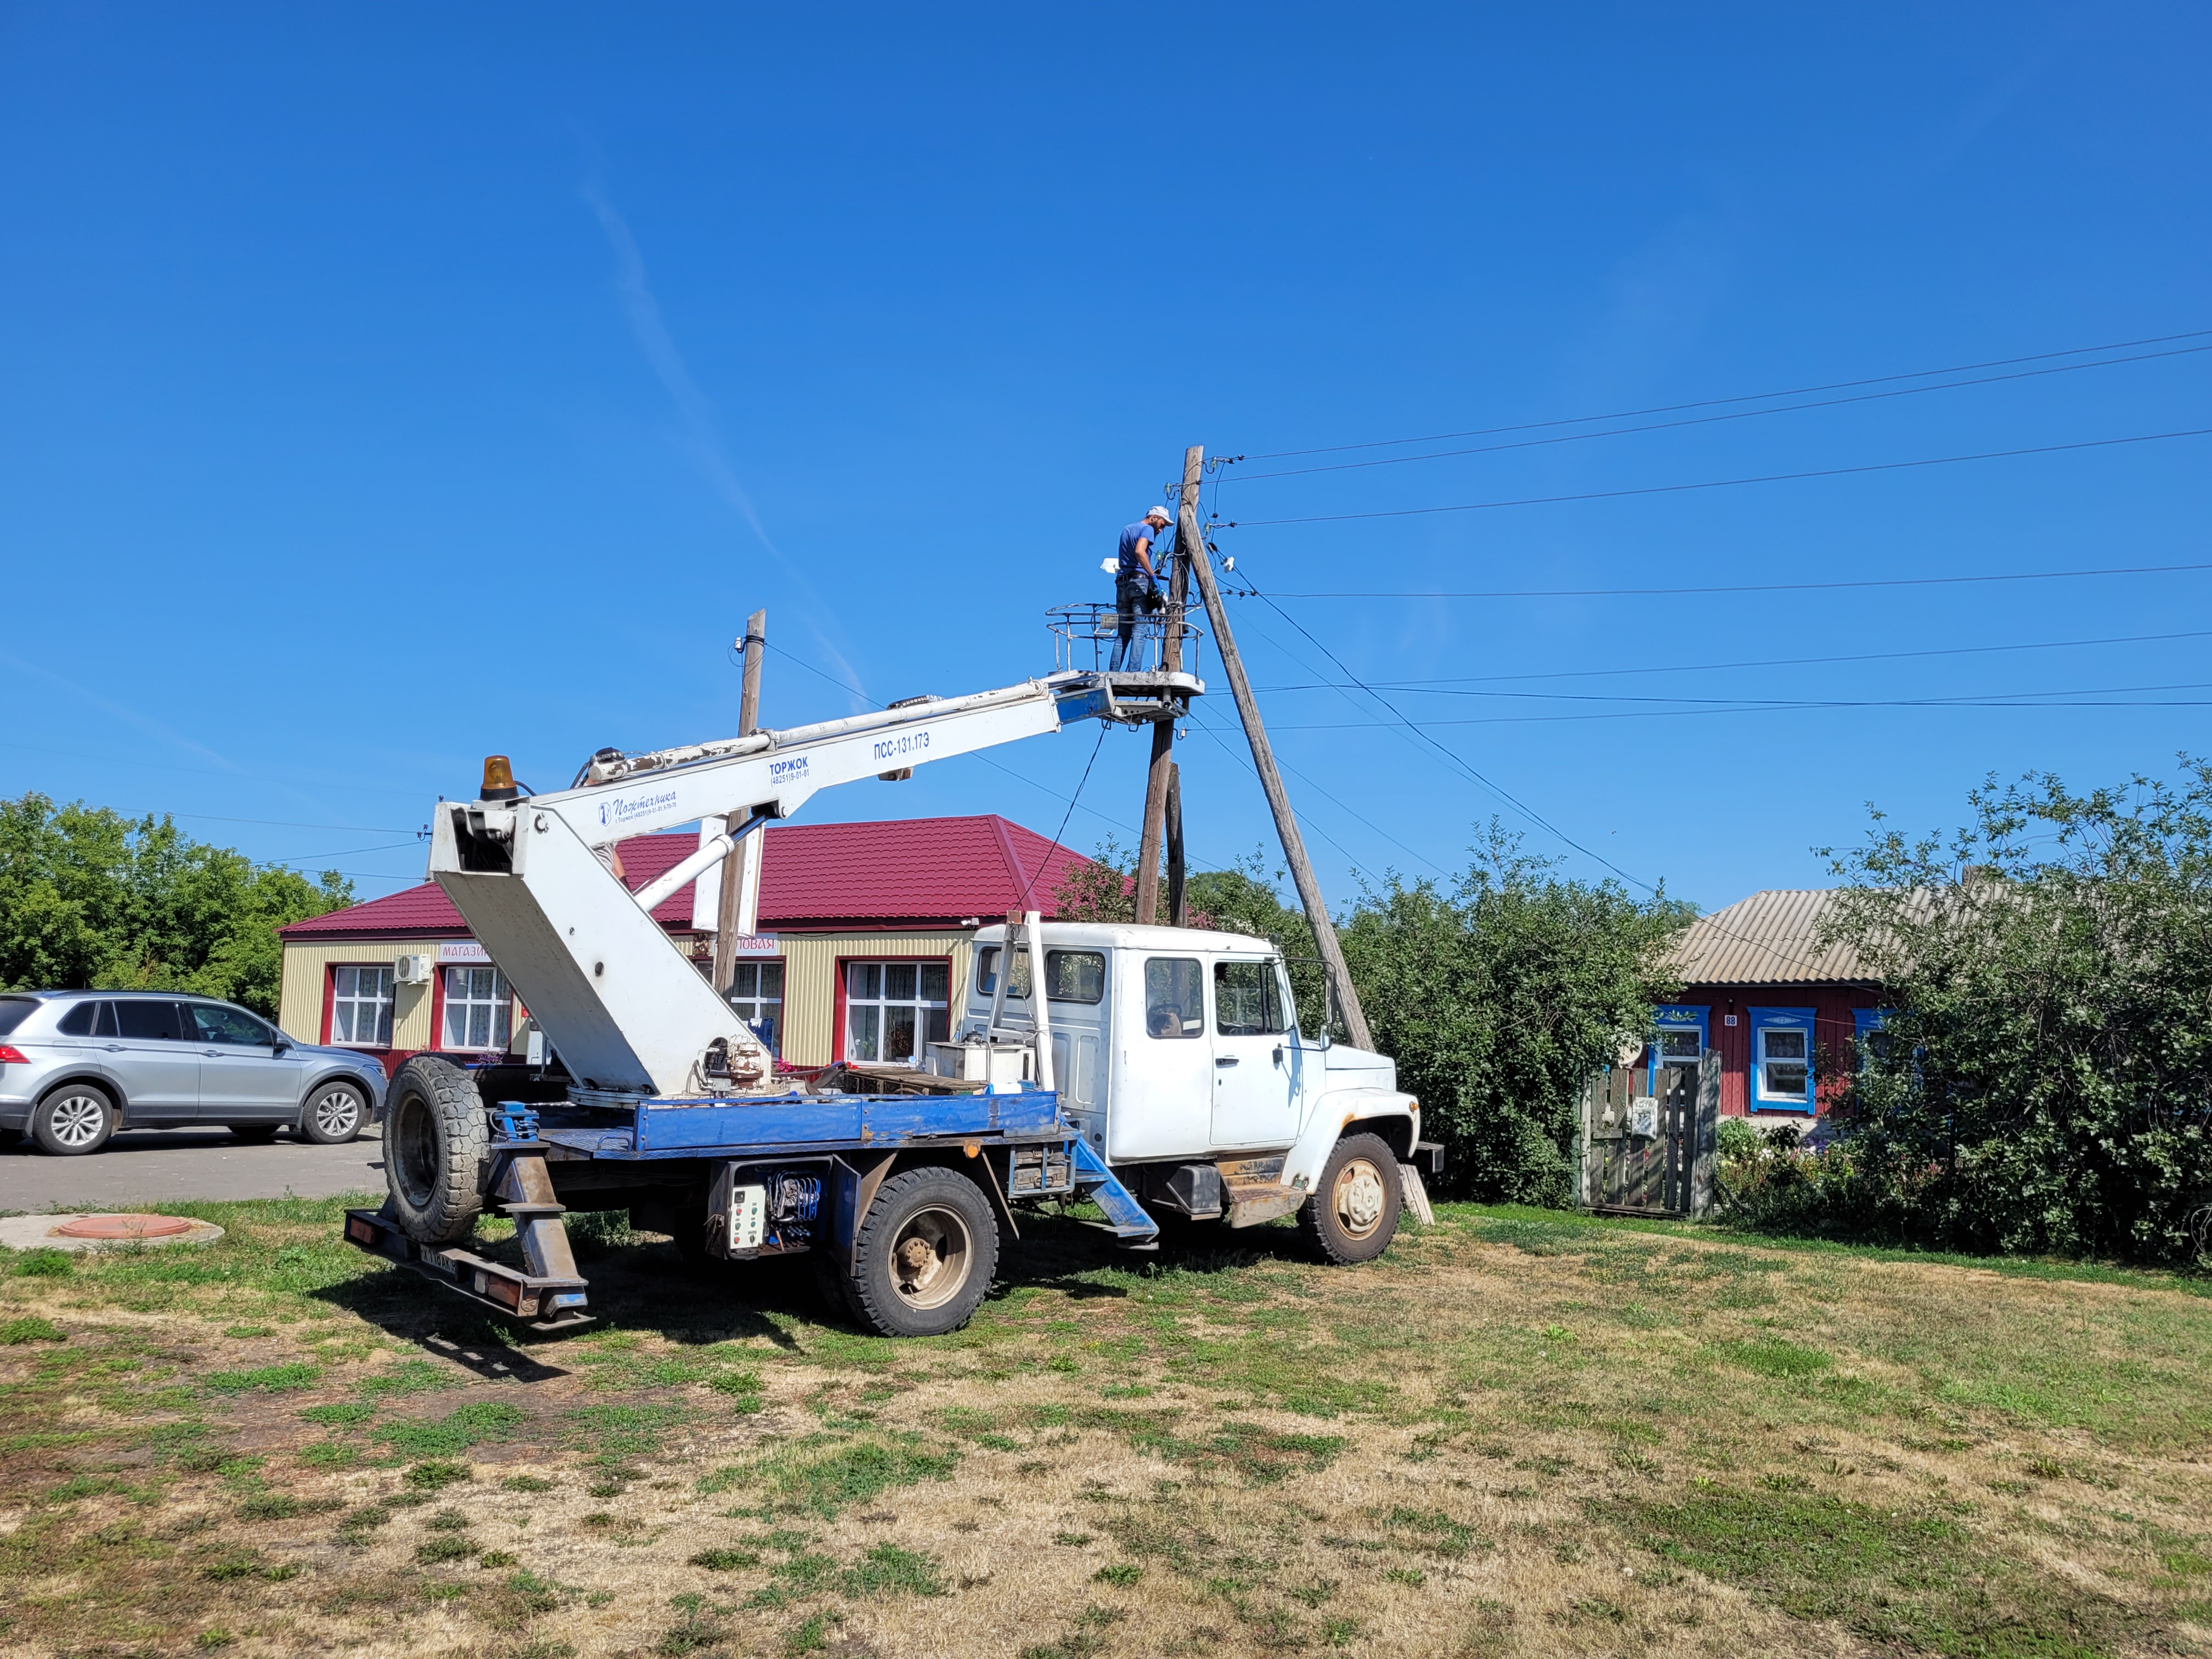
435 1137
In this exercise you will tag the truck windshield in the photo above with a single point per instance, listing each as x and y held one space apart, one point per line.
1175 997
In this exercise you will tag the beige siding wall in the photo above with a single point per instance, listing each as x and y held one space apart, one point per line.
306 981
810 982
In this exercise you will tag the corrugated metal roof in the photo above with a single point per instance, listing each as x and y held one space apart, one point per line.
1769 938
903 870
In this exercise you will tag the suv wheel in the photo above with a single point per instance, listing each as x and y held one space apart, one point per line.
333 1114
76 1119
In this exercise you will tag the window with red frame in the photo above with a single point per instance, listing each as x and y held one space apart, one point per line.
894 1010
361 1007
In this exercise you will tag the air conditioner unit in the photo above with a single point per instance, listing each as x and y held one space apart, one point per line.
412 971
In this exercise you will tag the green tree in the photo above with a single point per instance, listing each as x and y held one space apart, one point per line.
92 899
2045 1080
1498 997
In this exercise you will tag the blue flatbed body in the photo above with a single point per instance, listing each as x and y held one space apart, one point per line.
795 1124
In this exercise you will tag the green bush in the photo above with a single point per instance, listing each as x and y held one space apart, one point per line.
1498 997
2044 1082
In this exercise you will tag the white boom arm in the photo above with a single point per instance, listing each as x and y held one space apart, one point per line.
624 1007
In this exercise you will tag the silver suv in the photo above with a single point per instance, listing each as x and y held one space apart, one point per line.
76 1065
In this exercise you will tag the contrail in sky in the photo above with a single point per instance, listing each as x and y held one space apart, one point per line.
702 442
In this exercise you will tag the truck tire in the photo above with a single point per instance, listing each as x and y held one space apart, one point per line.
1352 1215
434 1141
924 1254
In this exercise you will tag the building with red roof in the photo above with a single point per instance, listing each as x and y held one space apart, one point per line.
864 934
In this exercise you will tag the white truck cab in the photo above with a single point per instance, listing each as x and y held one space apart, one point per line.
1177 1055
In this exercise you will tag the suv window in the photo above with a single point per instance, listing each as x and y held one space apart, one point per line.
1248 1000
81 1020
14 1010
233 1025
1175 997
156 1022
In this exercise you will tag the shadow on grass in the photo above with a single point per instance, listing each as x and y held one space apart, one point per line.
641 1281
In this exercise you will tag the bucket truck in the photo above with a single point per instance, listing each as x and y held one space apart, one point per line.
1158 1072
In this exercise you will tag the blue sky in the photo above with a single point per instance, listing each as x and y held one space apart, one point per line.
384 387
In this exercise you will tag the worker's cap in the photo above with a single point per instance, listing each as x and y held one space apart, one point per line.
1159 512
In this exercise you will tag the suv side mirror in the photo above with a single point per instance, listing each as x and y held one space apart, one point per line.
278 1044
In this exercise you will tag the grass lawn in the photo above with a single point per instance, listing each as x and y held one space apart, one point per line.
1519 1432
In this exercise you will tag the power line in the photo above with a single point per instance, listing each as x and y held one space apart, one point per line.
1333 800
1819 702
1745 398
1752 708
1770 662
1733 587
1710 420
1723 484
1504 795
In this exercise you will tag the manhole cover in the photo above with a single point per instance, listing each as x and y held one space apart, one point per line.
123 1226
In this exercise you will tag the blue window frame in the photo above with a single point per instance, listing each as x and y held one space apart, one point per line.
1680 1032
1865 1021
1780 1059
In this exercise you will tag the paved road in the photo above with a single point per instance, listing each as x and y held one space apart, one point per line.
143 1168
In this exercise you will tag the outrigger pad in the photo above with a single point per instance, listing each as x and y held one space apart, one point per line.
550 1307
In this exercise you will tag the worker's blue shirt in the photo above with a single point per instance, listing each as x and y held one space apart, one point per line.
1130 565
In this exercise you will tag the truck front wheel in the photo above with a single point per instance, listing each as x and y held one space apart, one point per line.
1354 1212
924 1254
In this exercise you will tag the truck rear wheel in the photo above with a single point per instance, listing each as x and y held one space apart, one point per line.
1354 1212
924 1254
435 1141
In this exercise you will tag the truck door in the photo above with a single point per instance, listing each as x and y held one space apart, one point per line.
1161 1093
1256 1059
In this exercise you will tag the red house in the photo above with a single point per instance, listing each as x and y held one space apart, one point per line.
1785 1011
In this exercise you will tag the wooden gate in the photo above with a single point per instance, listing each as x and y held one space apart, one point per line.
1648 1138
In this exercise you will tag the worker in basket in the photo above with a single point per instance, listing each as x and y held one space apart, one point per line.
1136 582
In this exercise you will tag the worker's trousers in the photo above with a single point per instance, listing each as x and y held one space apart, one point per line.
1131 596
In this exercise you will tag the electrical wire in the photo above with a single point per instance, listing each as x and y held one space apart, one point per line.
1735 587
1994 698
1070 813
1770 662
1745 398
1724 483
1497 789
1747 708
1711 420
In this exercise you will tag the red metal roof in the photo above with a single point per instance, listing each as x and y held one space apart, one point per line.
907 871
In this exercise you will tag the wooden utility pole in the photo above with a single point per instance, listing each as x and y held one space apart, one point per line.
1160 780
1286 825
735 872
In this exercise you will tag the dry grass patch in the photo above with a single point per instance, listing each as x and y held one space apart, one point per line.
1517 1433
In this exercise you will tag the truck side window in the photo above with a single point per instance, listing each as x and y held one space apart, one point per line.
1175 992
986 973
1074 975
1248 1000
